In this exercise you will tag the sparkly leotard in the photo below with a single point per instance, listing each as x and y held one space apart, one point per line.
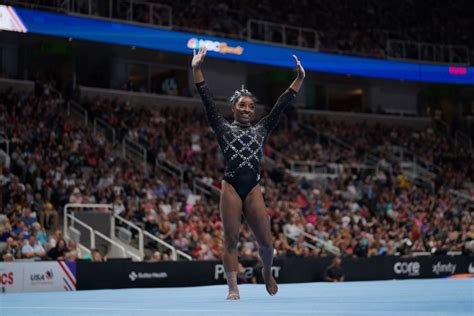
242 144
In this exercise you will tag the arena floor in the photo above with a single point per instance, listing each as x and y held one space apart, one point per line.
410 297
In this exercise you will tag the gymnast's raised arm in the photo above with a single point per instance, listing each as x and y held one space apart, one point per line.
271 120
215 119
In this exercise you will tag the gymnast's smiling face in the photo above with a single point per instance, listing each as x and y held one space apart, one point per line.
244 110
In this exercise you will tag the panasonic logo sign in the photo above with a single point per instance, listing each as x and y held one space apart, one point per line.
407 268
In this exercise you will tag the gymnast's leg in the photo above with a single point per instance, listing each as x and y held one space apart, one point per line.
256 215
231 214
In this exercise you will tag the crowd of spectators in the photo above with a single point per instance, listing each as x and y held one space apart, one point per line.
361 27
362 211
451 163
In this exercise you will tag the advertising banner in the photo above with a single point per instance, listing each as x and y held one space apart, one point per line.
37 276
112 275
123 33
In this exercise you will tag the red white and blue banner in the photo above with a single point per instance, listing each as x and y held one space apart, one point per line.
9 20
37 276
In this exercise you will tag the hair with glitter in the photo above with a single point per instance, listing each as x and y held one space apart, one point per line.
241 93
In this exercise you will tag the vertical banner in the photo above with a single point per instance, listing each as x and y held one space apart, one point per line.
37 276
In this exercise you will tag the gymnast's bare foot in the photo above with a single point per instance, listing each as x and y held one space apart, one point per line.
233 295
270 282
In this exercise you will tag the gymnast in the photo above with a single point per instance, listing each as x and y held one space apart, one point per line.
241 143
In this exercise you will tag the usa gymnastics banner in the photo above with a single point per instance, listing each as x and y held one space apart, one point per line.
122 33
37 276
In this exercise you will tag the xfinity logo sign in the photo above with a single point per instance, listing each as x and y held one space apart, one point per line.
440 268
133 276
408 268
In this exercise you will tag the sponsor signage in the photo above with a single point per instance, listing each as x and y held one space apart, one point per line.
11 278
9 20
249 272
37 276
112 274
121 33
215 46
133 276
410 268
444 268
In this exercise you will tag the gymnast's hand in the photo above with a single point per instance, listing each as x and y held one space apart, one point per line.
198 58
299 69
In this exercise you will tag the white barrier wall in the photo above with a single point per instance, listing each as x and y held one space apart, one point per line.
45 276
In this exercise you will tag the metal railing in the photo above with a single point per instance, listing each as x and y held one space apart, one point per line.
135 11
133 148
426 253
404 154
276 33
171 169
113 242
81 223
92 232
461 195
74 107
109 131
302 165
70 218
174 252
136 228
129 147
202 187
420 51
463 140
84 249
319 243
329 138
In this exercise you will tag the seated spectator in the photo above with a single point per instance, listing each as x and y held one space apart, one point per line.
97 256
156 257
21 230
28 217
6 230
12 249
76 196
33 249
49 216
53 239
58 252
334 272
74 251
40 233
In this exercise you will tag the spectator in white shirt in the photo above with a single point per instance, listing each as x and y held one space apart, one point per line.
33 249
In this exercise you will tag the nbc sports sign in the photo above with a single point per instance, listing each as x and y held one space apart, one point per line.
37 276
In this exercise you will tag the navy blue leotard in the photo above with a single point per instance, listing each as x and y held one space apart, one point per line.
242 144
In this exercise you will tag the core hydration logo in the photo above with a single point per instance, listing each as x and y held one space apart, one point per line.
407 268
215 46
